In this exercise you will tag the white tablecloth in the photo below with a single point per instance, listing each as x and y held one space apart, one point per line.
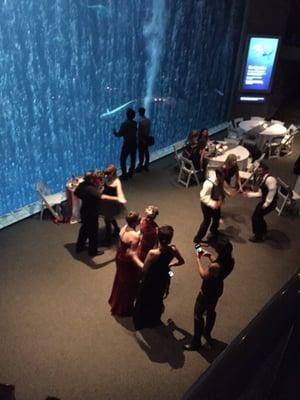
249 124
271 132
242 155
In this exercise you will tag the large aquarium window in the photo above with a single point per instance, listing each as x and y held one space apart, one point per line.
70 68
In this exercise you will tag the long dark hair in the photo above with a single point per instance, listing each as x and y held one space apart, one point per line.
224 249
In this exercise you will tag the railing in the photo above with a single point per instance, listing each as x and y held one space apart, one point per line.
233 372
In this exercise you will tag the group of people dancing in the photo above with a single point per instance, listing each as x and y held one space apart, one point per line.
218 184
145 253
143 269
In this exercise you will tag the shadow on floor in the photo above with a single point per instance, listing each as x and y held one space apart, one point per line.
126 322
83 257
207 352
278 240
232 233
161 346
210 353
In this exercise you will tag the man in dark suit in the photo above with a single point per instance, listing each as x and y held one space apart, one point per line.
143 144
90 196
128 130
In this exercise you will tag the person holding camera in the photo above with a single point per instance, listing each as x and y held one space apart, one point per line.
211 197
213 276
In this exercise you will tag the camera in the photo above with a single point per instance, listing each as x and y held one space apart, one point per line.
198 249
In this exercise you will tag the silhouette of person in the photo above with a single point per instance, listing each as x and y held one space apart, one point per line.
143 135
128 130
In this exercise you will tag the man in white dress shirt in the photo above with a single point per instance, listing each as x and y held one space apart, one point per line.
268 194
211 197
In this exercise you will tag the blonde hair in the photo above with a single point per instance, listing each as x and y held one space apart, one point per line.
230 161
151 212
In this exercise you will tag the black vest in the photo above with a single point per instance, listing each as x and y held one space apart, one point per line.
264 190
217 192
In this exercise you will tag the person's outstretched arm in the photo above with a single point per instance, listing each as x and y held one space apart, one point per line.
177 256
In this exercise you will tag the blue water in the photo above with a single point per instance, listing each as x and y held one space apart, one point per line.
68 66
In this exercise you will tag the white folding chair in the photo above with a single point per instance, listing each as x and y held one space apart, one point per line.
47 200
236 121
187 171
292 128
286 146
248 177
233 130
276 121
285 195
177 153
273 146
257 118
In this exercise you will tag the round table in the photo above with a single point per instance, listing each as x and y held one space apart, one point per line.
271 132
250 124
242 155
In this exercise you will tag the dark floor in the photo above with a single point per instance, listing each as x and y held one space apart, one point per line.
57 334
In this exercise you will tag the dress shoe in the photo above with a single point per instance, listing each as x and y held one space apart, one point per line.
80 249
208 338
139 169
256 239
123 177
146 168
97 253
192 347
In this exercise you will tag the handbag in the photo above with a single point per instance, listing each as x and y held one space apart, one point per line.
150 140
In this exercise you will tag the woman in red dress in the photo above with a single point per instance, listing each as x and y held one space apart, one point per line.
149 230
125 286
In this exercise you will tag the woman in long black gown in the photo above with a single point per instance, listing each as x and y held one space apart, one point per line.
155 280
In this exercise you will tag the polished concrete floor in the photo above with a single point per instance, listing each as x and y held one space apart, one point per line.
57 334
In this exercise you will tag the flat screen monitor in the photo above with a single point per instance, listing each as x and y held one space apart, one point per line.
259 65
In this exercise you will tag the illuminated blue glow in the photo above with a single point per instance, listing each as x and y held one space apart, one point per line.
260 62
70 68
108 113
154 33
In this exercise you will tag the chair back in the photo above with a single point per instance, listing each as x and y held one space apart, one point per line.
236 121
41 188
187 171
257 118
276 121
177 153
257 162
292 128
285 194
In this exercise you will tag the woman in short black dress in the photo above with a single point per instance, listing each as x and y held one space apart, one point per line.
211 290
112 204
